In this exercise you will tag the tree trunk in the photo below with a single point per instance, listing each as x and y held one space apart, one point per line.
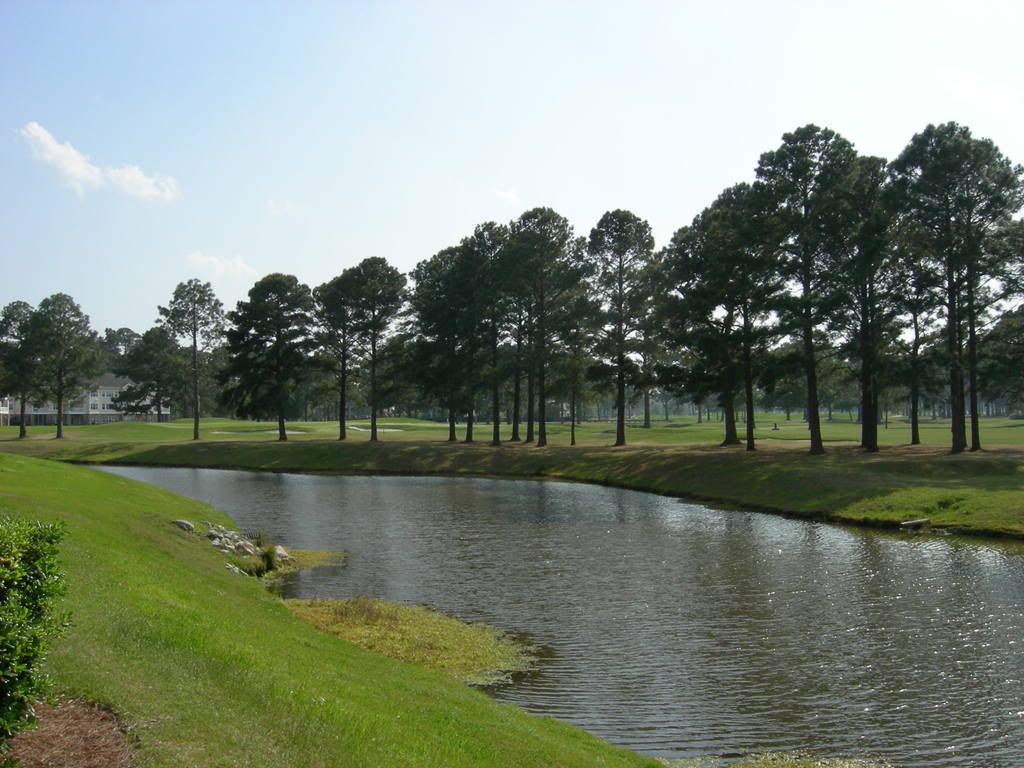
748 387
869 415
22 429
373 390
60 409
572 417
810 368
958 440
647 408
343 397
700 413
915 384
282 434
470 417
729 417
195 382
495 392
915 432
972 362
341 414
451 424
542 432
542 364
620 400
529 403
516 383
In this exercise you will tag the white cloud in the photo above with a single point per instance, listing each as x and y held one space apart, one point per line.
131 179
508 195
220 266
80 173
75 167
277 208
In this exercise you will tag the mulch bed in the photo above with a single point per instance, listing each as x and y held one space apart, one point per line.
73 734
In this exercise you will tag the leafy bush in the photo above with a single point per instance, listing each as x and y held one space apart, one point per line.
268 557
30 582
257 565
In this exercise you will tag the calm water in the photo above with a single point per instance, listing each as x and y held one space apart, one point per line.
674 629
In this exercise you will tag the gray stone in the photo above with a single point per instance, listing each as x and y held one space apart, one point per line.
185 525
235 569
282 554
246 548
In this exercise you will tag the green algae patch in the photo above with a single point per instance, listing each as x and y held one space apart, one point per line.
474 653
313 558
303 560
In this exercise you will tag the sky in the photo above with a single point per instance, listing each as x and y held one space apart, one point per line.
143 144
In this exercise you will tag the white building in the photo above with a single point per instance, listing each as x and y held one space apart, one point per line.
5 411
95 406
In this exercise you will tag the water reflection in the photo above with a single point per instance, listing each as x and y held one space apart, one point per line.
675 629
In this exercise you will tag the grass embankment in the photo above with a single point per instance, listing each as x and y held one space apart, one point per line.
472 653
208 668
981 493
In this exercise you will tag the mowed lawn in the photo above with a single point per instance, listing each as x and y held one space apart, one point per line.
772 429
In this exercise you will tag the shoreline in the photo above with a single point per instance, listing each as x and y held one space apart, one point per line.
888 526
979 496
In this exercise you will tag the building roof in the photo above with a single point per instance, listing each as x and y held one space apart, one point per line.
110 380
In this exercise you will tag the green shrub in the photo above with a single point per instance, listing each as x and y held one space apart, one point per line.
268 557
257 565
30 582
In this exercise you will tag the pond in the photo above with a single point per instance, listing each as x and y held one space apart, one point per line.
675 629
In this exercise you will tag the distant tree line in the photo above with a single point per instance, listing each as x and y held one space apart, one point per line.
833 281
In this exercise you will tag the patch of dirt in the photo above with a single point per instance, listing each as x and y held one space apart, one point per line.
73 734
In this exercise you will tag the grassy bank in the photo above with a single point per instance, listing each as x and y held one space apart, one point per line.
210 669
980 493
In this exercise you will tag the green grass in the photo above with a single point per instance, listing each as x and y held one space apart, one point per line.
208 668
980 493
679 431
472 653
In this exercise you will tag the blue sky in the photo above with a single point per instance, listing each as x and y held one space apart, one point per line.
142 144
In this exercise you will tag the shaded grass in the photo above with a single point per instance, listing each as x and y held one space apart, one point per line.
473 653
208 668
678 431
